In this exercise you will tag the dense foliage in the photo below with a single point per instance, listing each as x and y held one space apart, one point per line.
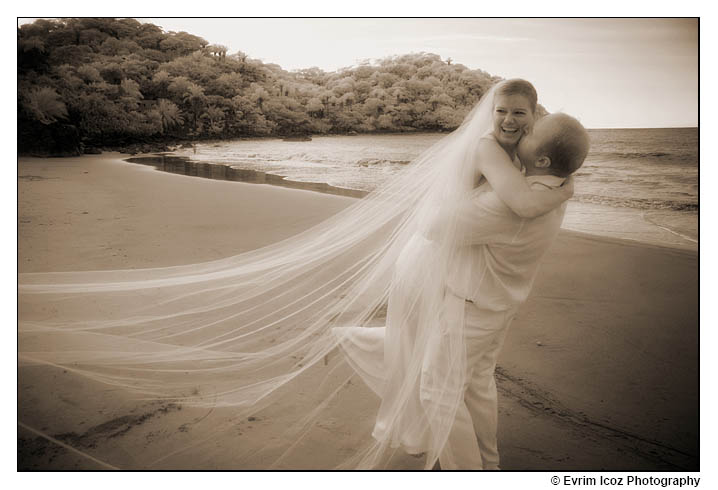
100 82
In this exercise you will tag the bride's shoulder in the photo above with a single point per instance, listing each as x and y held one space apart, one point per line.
488 135
489 146
488 140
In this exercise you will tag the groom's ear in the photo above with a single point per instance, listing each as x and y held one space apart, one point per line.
543 162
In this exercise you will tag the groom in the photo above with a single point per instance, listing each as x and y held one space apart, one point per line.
492 276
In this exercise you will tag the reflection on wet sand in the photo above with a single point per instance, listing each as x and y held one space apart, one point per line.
218 171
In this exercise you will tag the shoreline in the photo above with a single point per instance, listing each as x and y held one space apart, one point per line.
265 178
151 147
184 165
619 313
126 149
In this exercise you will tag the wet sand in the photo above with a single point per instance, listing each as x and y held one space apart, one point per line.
599 370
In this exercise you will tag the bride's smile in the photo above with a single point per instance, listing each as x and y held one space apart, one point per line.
512 117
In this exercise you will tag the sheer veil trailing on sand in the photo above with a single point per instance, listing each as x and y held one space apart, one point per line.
237 332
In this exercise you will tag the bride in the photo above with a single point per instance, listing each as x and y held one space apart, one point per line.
236 332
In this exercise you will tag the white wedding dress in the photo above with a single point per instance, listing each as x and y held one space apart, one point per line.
416 361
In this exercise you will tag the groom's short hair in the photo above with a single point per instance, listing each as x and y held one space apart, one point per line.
567 147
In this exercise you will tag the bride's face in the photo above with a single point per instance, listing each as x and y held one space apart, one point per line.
513 118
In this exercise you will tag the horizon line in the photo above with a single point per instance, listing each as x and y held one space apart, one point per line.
648 127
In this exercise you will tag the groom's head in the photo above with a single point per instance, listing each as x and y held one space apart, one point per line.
557 146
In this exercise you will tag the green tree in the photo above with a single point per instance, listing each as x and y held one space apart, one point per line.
213 120
169 114
45 105
195 99
315 108
89 74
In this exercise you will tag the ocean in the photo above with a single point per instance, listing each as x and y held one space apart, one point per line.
636 184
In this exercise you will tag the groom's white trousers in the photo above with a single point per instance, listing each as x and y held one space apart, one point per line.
472 440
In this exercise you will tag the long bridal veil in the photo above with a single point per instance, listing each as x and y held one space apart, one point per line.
238 332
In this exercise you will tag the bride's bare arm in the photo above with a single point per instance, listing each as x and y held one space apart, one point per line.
511 186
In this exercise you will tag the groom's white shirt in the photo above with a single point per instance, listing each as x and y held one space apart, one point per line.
496 267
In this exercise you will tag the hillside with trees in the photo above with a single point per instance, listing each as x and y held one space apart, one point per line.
91 83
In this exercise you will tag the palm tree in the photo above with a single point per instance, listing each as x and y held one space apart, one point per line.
259 95
170 114
217 50
214 119
45 105
195 98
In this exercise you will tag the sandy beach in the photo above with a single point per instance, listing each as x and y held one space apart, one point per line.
599 370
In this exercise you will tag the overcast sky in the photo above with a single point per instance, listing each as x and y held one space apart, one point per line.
606 72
